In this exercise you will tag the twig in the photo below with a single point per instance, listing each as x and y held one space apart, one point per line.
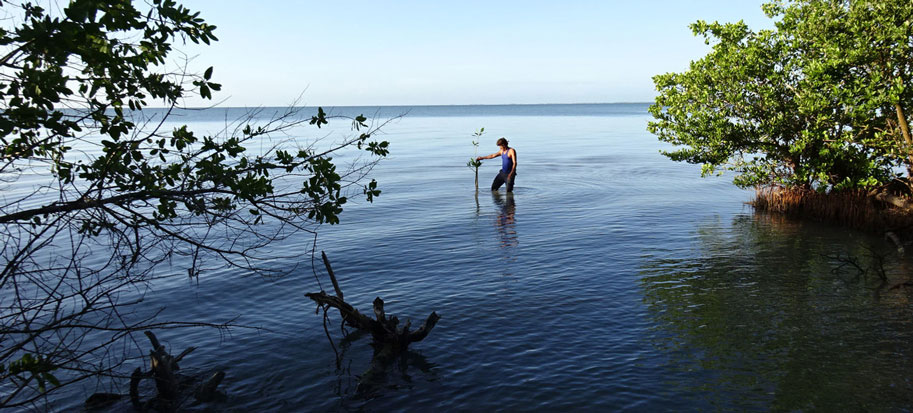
327 331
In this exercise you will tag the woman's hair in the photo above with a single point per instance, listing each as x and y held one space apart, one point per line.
502 142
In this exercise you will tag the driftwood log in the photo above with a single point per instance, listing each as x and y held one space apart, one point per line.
899 202
170 387
384 329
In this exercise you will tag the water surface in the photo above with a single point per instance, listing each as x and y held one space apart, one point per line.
612 278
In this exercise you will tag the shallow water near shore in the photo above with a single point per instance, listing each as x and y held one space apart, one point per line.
612 278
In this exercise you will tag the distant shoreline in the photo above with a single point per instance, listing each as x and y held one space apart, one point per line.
411 106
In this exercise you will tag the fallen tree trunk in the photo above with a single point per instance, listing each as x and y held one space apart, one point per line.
385 330
896 201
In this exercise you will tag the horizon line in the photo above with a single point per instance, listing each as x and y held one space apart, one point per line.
399 105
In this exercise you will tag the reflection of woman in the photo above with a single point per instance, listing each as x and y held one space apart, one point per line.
508 166
506 221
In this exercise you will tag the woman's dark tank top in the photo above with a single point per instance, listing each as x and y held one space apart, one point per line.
506 163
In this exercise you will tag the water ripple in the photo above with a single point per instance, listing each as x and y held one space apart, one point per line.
612 279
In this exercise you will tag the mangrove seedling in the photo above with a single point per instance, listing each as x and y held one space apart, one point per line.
474 163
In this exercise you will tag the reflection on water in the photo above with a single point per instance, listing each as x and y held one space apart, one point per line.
506 221
387 372
755 317
644 288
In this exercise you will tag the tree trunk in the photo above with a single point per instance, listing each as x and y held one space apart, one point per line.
905 130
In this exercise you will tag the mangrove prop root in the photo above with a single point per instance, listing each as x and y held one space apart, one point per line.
384 329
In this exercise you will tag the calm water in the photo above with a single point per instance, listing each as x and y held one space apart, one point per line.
611 279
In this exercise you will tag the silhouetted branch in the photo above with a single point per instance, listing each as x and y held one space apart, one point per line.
384 329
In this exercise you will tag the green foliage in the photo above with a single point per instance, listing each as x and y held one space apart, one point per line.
37 368
76 80
819 102
371 190
83 57
473 163
86 56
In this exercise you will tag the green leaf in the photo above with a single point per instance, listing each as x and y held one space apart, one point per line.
51 379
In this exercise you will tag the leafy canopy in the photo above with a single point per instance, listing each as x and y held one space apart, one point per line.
818 102
103 174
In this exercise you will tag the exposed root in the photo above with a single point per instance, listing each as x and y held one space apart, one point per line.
875 212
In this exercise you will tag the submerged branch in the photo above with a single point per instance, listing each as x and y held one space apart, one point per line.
383 328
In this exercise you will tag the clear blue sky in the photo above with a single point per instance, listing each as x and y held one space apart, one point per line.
466 52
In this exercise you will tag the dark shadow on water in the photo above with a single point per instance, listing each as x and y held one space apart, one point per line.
389 372
751 315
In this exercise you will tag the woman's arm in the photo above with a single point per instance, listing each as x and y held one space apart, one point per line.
512 154
498 153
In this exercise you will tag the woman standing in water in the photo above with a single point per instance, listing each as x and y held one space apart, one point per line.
508 166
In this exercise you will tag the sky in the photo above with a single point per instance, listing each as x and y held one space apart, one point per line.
351 53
